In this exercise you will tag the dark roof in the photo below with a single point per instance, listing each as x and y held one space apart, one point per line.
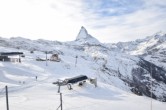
10 53
76 79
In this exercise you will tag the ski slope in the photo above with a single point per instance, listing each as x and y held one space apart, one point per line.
44 96
25 93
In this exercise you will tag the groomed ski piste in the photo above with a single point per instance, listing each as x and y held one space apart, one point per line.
25 93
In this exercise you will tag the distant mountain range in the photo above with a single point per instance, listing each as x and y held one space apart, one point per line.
130 66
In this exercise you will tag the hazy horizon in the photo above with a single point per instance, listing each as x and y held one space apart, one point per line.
109 21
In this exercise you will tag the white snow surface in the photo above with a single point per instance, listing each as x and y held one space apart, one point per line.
25 93
111 94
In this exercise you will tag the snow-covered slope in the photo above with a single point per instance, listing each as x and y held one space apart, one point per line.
27 93
150 45
152 48
118 73
142 46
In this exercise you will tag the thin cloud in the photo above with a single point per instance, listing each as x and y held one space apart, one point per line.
146 18
104 8
107 20
39 19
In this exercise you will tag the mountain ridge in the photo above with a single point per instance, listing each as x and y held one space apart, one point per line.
113 65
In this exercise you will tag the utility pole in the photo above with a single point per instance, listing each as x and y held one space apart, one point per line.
46 58
61 101
7 101
76 60
19 59
59 87
151 87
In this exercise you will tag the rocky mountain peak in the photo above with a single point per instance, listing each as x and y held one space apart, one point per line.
83 37
83 34
161 36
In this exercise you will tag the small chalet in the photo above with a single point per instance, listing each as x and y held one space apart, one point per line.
55 57
11 56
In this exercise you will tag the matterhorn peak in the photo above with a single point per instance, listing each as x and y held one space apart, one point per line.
83 34
83 37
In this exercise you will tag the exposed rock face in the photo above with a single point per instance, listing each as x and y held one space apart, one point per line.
84 38
83 34
147 74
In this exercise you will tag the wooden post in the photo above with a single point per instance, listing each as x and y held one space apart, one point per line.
61 101
7 102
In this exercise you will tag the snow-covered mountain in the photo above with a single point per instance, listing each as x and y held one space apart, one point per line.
128 66
149 45
152 48
84 38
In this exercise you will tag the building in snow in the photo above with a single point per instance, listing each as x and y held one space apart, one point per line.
55 57
11 56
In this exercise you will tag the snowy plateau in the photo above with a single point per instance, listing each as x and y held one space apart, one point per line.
124 72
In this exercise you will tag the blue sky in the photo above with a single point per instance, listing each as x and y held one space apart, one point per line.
107 20
108 8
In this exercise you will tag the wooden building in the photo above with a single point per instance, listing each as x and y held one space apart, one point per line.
55 57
